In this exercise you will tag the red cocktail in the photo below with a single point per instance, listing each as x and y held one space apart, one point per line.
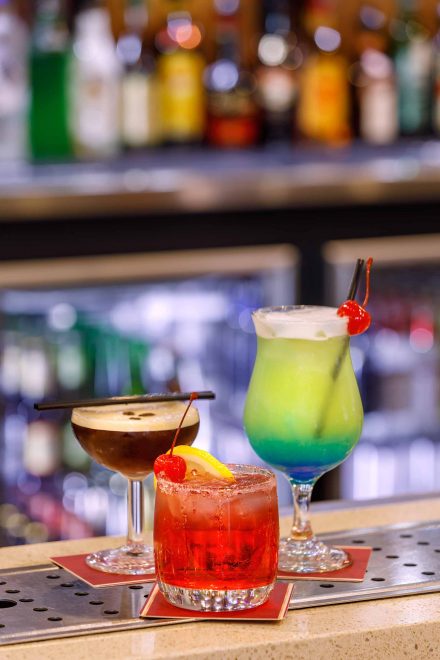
216 541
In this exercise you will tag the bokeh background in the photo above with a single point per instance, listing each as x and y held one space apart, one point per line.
168 166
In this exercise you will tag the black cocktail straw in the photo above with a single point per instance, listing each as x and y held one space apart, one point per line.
355 279
141 398
340 358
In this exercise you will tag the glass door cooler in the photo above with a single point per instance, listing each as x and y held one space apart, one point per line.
124 324
397 365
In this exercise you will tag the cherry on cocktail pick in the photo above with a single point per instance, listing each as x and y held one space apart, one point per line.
358 318
174 467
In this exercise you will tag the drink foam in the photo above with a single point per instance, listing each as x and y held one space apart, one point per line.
138 417
299 322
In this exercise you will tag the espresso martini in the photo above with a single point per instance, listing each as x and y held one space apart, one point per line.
128 438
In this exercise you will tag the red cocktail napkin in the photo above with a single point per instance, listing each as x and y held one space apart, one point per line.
76 564
274 609
353 573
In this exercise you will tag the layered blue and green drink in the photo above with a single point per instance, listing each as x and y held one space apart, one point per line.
303 413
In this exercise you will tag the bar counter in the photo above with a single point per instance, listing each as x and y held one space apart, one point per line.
393 628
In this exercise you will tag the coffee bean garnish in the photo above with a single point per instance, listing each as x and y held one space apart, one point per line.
128 412
146 415
134 418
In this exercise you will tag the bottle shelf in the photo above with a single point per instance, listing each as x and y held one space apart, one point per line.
181 181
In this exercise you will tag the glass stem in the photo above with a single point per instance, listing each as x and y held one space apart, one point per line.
136 516
301 528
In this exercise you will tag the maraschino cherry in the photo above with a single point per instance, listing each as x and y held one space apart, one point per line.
174 467
358 318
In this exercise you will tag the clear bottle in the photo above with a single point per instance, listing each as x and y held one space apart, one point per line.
413 59
95 87
49 131
140 91
374 80
13 83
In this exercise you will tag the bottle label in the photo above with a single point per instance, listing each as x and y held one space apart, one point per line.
140 110
277 89
378 112
96 118
233 131
413 68
323 112
182 95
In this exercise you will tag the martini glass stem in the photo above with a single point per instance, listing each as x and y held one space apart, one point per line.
301 528
136 516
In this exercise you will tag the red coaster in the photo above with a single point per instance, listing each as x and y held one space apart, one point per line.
76 564
353 573
274 609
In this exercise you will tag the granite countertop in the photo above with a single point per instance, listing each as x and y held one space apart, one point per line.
393 628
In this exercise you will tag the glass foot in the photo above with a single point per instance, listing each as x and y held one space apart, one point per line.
123 560
311 556
215 600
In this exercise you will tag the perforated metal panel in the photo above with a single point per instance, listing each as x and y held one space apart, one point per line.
405 560
47 602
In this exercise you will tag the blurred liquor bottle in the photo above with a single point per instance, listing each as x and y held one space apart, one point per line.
324 102
95 84
277 75
374 79
180 69
13 83
37 382
49 133
135 382
233 117
412 49
436 77
140 89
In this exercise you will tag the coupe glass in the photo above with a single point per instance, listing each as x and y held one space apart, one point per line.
128 438
303 415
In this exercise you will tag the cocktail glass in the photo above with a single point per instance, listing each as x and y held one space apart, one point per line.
216 542
128 438
303 414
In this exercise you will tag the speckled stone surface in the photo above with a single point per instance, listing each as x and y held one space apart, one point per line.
398 628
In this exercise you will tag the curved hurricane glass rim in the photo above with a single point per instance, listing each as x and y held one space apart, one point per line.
292 308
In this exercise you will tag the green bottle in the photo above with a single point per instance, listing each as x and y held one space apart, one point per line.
49 133
413 63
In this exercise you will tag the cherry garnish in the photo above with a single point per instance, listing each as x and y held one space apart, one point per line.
358 318
174 467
